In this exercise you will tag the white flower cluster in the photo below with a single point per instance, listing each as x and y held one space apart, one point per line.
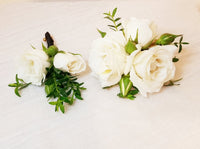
32 65
148 69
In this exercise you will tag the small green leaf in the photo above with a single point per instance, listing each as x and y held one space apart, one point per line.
114 12
175 59
184 43
103 34
53 103
108 18
119 24
62 108
32 46
44 48
180 48
49 89
117 19
12 85
111 26
17 92
106 14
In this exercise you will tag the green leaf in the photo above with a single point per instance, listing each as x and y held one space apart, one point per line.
108 14
32 46
12 85
17 92
175 59
103 34
180 48
111 26
44 48
114 12
53 103
62 108
184 43
49 89
19 85
117 19
108 18
119 24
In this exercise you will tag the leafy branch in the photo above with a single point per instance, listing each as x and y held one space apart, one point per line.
63 86
19 85
179 44
111 17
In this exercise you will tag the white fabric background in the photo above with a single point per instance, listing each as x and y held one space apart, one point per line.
169 119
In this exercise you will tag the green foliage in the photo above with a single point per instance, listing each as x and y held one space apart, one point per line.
116 26
168 38
175 59
103 34
179 44
19 85
126 88
63 86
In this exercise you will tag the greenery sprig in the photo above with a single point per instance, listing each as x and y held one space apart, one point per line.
63 86
19 85
60 87
111 17
116 26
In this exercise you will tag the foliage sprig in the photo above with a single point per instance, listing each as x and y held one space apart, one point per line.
19 85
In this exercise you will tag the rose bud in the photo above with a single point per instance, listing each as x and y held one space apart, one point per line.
166 39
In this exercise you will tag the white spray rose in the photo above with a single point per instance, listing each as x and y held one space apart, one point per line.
108 58
32 66
151 68
146 30
68 62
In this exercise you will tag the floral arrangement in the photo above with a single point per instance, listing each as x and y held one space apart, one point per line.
53 68
133 56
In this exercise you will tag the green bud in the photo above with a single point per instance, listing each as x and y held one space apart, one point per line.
125 85
130 46
52 51
166 39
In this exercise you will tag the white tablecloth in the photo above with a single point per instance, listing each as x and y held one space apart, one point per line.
166 120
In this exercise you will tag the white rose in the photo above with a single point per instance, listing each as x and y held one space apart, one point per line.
108 58
32 66
146 30
68 62
150 69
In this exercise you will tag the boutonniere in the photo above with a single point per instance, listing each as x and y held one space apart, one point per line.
133 56
54 69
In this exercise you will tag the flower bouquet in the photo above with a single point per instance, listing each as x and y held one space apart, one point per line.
55 70
133 56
